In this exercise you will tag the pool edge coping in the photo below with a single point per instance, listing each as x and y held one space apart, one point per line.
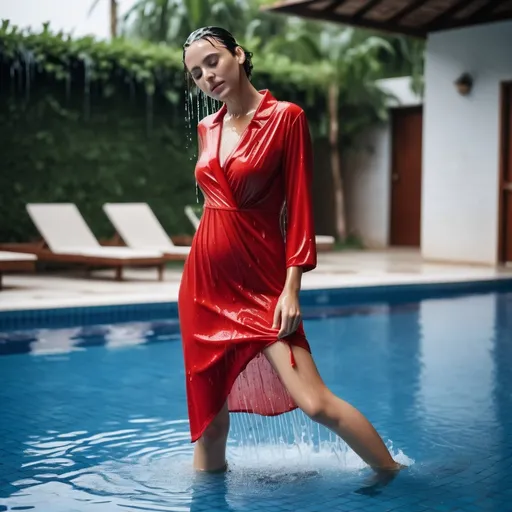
473 285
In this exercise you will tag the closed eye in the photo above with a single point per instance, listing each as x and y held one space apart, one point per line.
211 60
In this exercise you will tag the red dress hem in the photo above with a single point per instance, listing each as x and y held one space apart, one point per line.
299 343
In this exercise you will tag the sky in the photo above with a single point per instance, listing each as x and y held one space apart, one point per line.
70 16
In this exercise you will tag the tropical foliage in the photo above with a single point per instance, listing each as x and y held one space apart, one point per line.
93 121
351 60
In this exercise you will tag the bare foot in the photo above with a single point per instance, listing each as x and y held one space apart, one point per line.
380 479
222 469
394 468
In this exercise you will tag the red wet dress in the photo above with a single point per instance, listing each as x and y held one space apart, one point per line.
237 265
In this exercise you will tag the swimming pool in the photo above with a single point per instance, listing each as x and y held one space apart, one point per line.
93 417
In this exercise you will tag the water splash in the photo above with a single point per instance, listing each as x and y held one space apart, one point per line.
145 462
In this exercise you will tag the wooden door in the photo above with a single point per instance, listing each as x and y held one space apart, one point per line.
406 135
505 224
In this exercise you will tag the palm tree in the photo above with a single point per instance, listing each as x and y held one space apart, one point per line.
113 16
172 21
353 58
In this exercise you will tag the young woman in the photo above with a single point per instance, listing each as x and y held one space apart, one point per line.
244 345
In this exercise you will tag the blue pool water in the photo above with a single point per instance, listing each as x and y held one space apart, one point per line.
94 418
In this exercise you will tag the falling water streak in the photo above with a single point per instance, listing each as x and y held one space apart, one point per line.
273 423
309 432
13 69
279 428
149 113
337 449
68 86
294 427
256 423
132 89
303 426
275 432
282 428
1 72
204 105
198 105
297 434
265 429
238 429
260 428
87 87
20 78
188 116
270 428
244 429
252 429
278 433
251 420
188 123
28 60
249 430
209 106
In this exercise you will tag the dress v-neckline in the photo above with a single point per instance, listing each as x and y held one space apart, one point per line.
222 165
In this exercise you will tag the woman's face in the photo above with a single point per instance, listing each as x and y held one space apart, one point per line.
213 68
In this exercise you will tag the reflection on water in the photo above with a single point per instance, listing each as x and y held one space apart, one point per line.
62 341
94 418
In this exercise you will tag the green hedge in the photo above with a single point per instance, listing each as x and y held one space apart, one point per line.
90 122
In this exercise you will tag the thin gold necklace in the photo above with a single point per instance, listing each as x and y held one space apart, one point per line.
231 116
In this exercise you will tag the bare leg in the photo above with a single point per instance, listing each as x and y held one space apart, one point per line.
210 448
310 393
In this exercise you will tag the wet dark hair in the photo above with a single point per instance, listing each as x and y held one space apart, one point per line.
196 108
225 38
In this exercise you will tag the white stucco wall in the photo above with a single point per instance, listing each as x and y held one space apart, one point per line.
367 173
367 187
461 143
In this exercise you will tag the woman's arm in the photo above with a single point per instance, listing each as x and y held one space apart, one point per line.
287 315
300 235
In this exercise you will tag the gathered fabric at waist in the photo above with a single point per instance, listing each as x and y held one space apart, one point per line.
242 210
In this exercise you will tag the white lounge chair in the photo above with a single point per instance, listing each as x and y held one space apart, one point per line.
192 216
324 242
15 262
69 239
139 228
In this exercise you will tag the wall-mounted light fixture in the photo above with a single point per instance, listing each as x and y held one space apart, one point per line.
464 84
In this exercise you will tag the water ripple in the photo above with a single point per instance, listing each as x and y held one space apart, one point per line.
149 468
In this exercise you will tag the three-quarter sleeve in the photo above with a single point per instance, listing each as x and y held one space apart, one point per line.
298 174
